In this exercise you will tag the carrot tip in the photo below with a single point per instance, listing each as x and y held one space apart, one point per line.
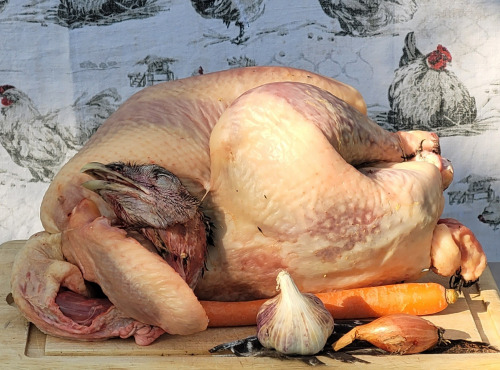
451 295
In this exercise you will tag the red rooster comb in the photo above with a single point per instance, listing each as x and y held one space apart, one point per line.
4 88
438 59
5 101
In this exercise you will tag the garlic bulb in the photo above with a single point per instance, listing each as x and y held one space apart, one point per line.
292 322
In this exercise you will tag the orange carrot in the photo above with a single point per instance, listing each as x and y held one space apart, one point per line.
222 314
410 298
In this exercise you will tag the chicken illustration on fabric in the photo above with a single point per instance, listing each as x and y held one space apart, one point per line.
242 12
3 4
368 17
41 142
425 94
491 214
76 12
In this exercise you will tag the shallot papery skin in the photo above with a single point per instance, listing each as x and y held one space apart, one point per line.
399 333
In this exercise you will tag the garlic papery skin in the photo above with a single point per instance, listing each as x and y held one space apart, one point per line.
293 322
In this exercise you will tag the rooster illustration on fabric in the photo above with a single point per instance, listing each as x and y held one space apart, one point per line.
241 12
425 94
82 13
3 4
368 17
491 214
75 11
41 142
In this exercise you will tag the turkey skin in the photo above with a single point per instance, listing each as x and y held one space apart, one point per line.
290 172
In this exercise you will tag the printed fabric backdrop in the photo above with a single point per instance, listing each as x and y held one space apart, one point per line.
66 65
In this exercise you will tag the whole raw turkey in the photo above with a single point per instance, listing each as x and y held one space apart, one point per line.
280 169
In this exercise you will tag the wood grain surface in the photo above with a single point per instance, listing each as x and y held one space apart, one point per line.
475 316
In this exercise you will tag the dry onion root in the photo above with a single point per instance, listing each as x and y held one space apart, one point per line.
398 333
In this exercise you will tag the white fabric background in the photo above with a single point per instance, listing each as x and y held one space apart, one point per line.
55 64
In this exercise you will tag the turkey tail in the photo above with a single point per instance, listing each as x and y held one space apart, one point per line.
410 51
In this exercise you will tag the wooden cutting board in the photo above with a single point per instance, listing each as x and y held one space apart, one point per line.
475 316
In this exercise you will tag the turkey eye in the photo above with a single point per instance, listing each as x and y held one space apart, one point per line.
165 177
165 180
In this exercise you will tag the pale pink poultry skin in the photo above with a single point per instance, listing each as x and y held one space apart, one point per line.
292 178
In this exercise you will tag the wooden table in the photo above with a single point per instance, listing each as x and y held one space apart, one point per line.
475 316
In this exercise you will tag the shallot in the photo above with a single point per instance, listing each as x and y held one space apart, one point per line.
398 333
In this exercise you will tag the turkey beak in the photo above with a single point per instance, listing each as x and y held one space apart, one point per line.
108 179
